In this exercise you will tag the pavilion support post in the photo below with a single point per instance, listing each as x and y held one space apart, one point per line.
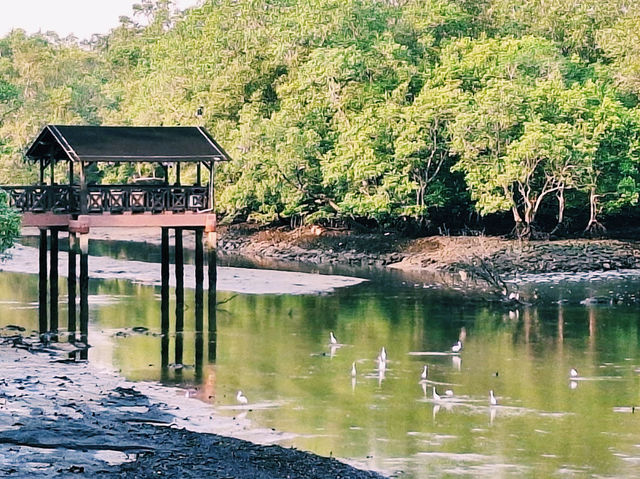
53 283
84 192
212 273
179 271
42 167
164 358
211 204
199 260
72 286
84 287
72 206
199 309
42 284
164 288
164 304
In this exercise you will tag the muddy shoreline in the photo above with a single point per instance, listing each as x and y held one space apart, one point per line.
436 254
67 418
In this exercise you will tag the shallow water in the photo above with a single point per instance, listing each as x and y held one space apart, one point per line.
275 348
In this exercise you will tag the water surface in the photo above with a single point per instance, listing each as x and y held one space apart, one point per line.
276 349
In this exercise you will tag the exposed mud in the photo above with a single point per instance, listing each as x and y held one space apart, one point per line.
60 418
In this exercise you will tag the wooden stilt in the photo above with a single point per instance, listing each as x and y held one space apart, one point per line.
179 352
199 310
179 271
72 286
199 260
164 289
42 284
53 283
164 357
212 273
164 304
84 286
179 260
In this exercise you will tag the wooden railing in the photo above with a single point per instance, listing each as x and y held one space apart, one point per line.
108 198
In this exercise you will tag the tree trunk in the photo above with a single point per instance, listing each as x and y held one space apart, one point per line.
560 229
594 227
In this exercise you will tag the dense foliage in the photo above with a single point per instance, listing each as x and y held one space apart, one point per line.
392 112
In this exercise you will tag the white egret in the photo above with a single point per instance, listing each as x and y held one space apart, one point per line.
492 399
383 354
241 398
456 348
436 396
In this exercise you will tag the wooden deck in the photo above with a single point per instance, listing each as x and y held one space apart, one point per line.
112 206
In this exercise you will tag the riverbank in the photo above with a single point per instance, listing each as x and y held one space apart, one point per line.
436 254
60 418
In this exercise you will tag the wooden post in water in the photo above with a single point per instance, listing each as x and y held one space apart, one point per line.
212 273
53 283
72 286
164 304
199 343
164 288
42 284
84 287
199 260
179 260
179 265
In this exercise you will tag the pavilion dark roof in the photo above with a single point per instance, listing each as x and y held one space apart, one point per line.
126 143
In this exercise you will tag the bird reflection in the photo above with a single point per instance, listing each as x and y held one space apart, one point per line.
492 414
424 388
573 384
457 362
332 350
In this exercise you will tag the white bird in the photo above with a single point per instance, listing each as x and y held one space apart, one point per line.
448 393
354 372
457 347
332 338
436 396
573 372
382 364
425 372
383 354
241 398
492 399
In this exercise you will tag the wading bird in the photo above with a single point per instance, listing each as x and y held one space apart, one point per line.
241 398
425 372
456 348
493 401
332 338
436 396
573 372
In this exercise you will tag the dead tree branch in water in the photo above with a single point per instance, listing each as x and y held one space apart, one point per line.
480 268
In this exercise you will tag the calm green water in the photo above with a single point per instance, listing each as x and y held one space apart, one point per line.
275 348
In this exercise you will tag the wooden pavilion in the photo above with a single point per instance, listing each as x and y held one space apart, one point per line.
79 205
